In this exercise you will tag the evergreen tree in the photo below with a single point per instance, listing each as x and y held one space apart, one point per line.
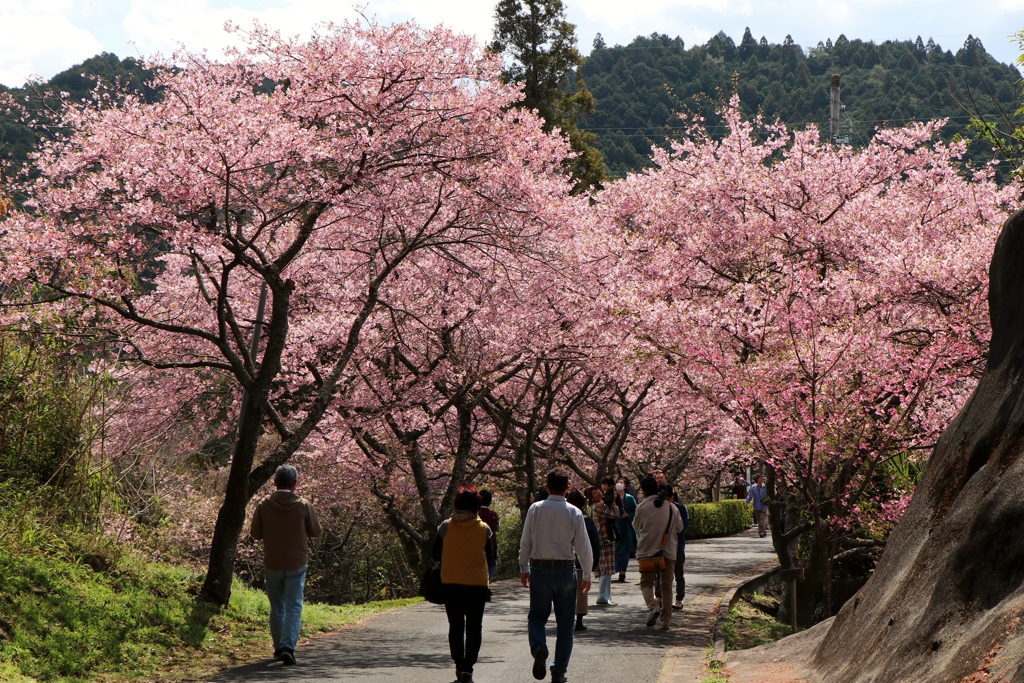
539 47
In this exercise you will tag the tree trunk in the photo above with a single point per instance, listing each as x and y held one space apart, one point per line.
231 517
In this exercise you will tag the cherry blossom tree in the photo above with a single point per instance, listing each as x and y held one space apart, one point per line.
828 302
240 238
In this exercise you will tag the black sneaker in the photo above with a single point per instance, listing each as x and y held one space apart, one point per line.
466 677
277 653
622 577
557 676
579 626
287 657
540 662
652 618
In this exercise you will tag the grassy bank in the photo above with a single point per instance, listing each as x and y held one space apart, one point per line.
745 626
131 619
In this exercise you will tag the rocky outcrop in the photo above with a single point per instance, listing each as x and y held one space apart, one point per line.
947 598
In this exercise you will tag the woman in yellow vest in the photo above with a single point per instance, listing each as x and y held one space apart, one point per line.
464 550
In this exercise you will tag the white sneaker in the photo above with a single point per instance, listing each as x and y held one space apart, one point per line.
678 604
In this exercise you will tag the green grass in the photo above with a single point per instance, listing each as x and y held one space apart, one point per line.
745 627
137 620
713 672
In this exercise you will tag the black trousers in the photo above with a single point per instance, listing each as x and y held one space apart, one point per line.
680 579
465 608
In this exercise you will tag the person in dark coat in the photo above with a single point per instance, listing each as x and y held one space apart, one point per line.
681 552
577 499
464 549
626 545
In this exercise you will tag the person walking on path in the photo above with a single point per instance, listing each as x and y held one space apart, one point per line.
657 526
490 517
680 552
759 495
607 519
577 499
285 522
554 534
626 546
463 546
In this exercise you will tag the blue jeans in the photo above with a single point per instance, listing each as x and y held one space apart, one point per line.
604 588
284 588
557 585
492 569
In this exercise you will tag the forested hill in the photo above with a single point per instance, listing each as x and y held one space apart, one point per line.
642 86
17 140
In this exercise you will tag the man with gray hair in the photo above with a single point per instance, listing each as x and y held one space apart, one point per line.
285 522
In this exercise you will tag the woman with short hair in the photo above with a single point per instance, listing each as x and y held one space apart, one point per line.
464 549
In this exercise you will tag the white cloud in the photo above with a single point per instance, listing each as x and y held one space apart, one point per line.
40 43
46 36
161 26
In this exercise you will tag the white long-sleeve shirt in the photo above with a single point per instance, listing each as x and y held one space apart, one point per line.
554 530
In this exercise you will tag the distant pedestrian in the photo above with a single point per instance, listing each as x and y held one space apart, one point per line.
759 495
463 546
680 552
739 487
490 518
554 534
657 526
285 522
659 478
626 545
578 500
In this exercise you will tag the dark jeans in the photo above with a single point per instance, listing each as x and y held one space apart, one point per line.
553 585
465 608
621 559
680 579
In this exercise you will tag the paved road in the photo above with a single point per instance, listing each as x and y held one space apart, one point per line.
411 644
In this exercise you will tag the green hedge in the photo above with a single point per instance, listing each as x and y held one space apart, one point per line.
728 517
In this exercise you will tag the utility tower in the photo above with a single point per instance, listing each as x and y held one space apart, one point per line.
834 111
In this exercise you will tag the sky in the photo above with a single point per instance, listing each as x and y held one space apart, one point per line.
39 38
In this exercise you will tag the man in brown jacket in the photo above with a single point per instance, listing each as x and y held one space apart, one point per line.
285 522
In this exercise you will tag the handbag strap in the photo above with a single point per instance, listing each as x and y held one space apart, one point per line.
671 511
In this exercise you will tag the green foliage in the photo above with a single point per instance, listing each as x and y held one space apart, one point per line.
1002 127
46 421
747 627
128 619
509 533
540 50
641 87
358 558
708 520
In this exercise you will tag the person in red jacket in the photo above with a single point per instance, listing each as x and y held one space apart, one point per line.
285 522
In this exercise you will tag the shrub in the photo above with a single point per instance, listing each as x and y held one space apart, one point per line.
508 540
47 422
728 517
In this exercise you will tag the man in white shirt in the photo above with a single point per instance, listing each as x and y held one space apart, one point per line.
554 534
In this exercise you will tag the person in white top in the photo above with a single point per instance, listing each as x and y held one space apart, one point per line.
657 527
554 535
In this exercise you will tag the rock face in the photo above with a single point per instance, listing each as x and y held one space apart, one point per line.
947 598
